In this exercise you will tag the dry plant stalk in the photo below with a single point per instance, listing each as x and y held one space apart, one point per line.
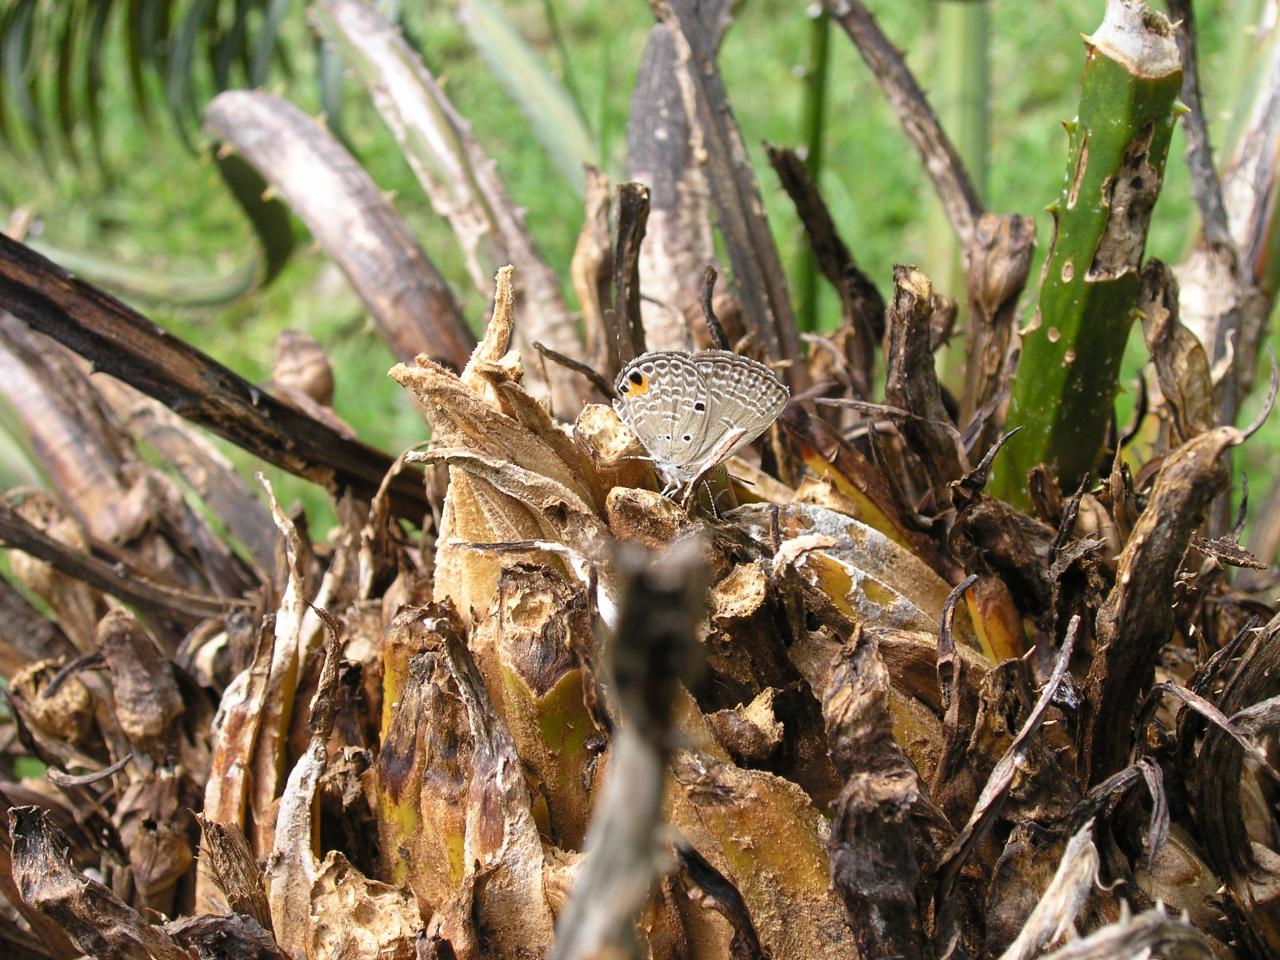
845 705
434 749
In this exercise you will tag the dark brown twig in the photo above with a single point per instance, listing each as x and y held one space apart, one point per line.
714 328
941 161
633 214
598 380
1206 188
911 383
119 341
757 271
58 778
653 650
1270 402
114 578
861 303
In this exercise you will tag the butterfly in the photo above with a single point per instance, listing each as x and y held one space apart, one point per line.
691 411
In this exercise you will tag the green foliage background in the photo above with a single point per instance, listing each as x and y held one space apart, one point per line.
157 203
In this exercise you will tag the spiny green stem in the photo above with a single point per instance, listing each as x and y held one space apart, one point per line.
1064 390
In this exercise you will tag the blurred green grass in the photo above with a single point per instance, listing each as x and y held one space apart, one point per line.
165 207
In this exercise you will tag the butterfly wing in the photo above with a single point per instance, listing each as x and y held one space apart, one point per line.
742 394
659 395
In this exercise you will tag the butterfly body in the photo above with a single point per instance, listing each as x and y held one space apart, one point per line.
694 410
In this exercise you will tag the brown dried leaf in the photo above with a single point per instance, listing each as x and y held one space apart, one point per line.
1180 877
53 942
862 483
503 853
734 190
748 659
874 866
25 634
1016 763
300 363
764 835
231 936
615 456
94 465
235 734
645 517
84 452
90 915
513 476
1062 900
270 747
883 572
912 384
744 651
663 152
1182 368
354 918
202 466
999 257
233 870
1218 774
990 537
751 734
592 272
1137 617
423 766
1228 552
153 816
526 649
64 714
147 700
292 869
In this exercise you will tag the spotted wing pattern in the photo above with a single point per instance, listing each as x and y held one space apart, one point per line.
742 394
659 396
682 406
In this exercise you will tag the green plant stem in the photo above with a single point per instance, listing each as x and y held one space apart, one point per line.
961 100
814 111
1064 390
